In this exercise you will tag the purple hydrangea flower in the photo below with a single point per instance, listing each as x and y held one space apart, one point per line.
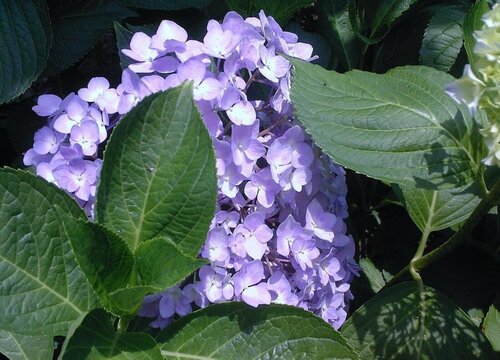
278 235
248 285
47 105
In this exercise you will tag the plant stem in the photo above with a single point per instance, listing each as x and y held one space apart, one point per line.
418 255
122 324
483 189
456 239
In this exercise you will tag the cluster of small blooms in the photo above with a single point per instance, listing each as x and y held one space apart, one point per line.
278 235
480 87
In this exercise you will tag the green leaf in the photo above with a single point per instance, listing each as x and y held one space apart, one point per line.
443 37
104 258
22 347
158 177
387 13
25 41
281 10
123 37
165 4
160 264
111 268
473 22
402 323
335 23
70 42
127 301
476 315
438 209
491 327
398 127
376 278
96 339
318 42
237 331
42 289
392 52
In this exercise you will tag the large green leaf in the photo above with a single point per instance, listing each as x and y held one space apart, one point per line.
77 28
443 37
401 323
158 177
105 259
25 40
281 10
472 23
42 289
400 127
335 23
120 278
160 264
23 347
491 326
96 339
237 331
433 210
165 4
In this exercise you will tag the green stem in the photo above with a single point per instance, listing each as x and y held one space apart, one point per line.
421 246
418 255
483 189
456 239
122 324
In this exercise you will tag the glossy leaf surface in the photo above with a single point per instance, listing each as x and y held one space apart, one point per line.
41 283
237 331
25 41
158 177
399 323
399 127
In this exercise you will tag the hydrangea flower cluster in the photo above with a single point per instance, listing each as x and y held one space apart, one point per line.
278 235
480 87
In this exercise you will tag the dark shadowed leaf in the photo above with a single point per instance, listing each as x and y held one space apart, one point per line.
281 10
335 24
399 323
165 4
158 176
96 339
237 331
387 13
123 37
25 40
41 284
320 45
399 127
77 28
